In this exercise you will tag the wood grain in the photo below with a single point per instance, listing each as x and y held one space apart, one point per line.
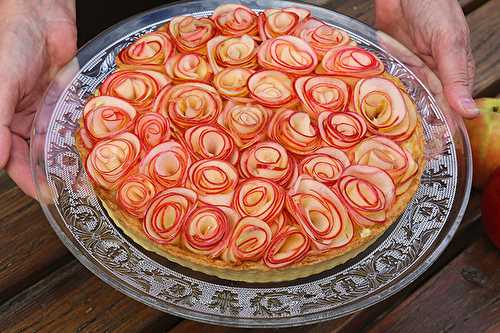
29 248
71 299
463 297
484 23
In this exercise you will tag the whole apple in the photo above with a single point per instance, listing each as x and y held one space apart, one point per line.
490 208
484 135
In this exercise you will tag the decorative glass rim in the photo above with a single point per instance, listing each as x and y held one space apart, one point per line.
43 141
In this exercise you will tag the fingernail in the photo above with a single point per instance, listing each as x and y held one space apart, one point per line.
469 106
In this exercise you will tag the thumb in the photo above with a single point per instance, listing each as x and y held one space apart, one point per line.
455 72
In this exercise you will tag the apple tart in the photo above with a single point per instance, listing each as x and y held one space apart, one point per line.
253 147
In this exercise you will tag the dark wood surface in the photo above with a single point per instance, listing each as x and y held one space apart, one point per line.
43 288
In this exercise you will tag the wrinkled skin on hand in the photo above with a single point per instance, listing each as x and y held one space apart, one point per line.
438 33
36 39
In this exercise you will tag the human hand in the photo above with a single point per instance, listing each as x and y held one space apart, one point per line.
438 33
36 39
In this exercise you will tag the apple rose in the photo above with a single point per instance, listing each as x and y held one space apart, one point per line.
106 116
320 212
150 51
288 54
322 93
235 20
271 88
325 165
188 67
279 22
368 192
232 83
152 129
246 123
110 160
259 197
207 230
235 52
191 34
137 87
166 214
134 195
290 245
385 154
342 129
250 239
210 141
387 110
189 104
407 178
294 130
350 61
166 164
214 181
268 160
279 222
321 36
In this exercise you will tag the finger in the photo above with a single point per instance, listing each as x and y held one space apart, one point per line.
18 167
453 69
8 97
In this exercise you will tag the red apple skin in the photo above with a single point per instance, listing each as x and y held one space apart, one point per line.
484 135
490 208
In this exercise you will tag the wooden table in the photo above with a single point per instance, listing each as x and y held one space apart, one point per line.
44 288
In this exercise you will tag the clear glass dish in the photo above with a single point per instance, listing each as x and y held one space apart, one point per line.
404 252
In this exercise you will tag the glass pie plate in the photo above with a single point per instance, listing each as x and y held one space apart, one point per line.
404 252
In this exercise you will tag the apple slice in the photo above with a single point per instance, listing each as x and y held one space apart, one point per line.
135 194
235 20
325 165
288 54
210 141
289 246
273 89
189 104
250 239
166 214
246 123
321 36
188 67
110 160
368 192
278 22
296 131
166 164
350 61
214 181
137 87
152 129
150 51
259 197
106 116
322 93
191 34
234 52
269 160
320 212
342 130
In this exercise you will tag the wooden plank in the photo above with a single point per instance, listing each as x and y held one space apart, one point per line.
463 297
485 38
72 299
28 245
